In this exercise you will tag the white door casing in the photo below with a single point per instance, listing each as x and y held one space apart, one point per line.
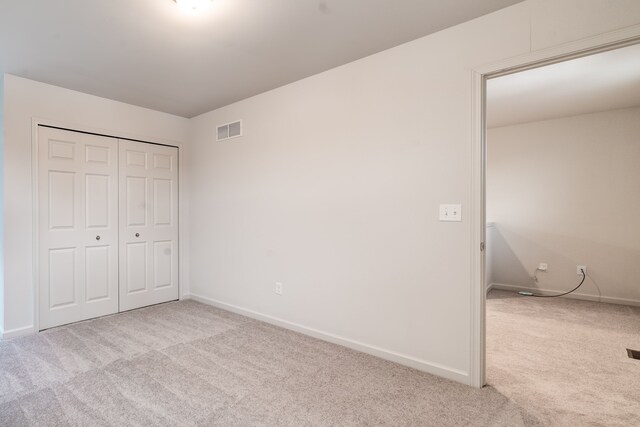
78 226
148 193
578 48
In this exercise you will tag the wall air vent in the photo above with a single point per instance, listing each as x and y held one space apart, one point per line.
229 130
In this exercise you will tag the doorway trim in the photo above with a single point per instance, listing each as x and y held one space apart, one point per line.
183 243
479 76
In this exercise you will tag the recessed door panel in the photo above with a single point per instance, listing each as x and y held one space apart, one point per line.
162 200
97 275
95 154
136 200
62 200
136 267
61 149
162 161
136 158
162 252
97 200
62 281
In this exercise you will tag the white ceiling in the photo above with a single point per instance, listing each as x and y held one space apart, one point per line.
600 82
150 53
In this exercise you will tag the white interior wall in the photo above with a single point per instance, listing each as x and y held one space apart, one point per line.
334 189
565 192
2 204
25 100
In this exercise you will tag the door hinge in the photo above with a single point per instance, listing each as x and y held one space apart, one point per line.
481 246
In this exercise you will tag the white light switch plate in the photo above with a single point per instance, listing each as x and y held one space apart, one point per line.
450 212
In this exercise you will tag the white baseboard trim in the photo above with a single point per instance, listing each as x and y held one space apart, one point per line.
580 296
489 287
419 364
18 332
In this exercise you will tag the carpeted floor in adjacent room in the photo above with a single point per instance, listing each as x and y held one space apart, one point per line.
185 363
564 361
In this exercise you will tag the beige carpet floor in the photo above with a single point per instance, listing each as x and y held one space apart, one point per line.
186 363
565 360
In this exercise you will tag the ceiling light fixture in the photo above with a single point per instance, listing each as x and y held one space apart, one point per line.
192 6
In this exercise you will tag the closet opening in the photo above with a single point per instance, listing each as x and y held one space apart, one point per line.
106 225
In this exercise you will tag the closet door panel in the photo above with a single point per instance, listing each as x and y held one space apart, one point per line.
136 267
162 202
136 201
97 196
77 226
63 285
162 264
62 200
148 224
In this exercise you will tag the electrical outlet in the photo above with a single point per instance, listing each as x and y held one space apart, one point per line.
278 289
581 267
543 266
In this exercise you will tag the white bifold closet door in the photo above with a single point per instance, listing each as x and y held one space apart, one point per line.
148 224
78 226
107 225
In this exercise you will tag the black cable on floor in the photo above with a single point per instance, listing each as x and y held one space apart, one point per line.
529 294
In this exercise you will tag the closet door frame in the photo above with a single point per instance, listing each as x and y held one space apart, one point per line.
182 228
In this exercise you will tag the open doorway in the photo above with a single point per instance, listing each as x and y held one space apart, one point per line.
562 267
